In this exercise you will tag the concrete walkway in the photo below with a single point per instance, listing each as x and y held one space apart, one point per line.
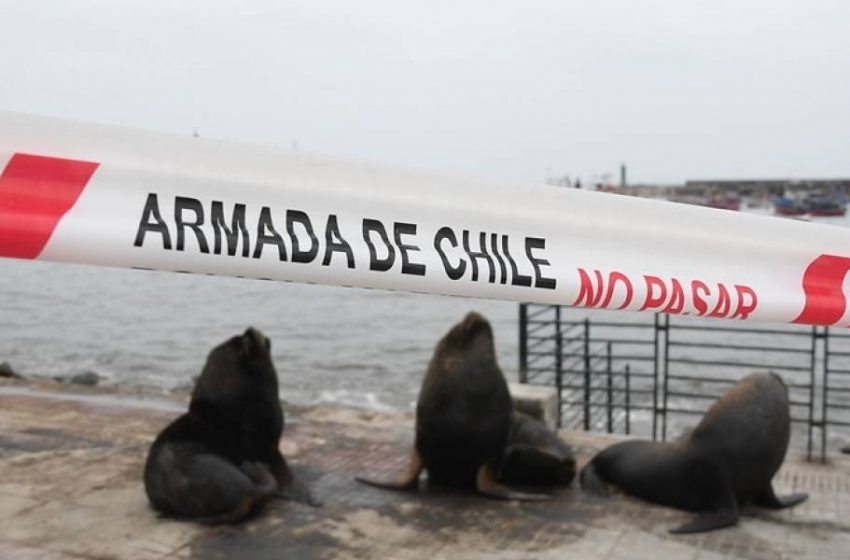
70 488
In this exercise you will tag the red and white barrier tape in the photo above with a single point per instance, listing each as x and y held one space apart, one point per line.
111 196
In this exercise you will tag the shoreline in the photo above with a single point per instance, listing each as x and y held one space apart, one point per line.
176 401
145 396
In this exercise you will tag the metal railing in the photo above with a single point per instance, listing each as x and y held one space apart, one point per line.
835 394
653 377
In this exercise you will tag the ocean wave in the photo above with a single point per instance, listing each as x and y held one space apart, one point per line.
366 400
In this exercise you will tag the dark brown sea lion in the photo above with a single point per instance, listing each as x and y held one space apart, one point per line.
220 461
535 454
727 461
463 416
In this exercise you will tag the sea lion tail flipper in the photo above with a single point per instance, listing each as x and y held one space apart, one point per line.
486 484
769 499
408 479
592 483
709 521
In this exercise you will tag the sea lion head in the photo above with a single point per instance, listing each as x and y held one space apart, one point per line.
778 378
774 383
237 368
469 340
763 383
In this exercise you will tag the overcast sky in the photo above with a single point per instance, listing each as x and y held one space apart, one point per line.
514 90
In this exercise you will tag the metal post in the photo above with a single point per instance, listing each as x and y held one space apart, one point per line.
666 362
812 392
559 372
655 378
628 399
587 374
610 388
523 343
825 401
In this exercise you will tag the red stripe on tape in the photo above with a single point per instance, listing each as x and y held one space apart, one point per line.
823 284
35 192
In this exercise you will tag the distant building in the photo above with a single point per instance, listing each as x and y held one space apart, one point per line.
757 188
647 190
755 192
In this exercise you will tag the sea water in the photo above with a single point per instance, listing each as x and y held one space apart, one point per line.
360 347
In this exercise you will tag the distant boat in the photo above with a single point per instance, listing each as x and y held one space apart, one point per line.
790 206
814 204
827 205
728 201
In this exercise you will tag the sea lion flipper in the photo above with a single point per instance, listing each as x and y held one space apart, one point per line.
709 521
525 463
204 487
288 486
792 500
298 492
407 479
592 483
239 514
486 484
722 511
264 483
769 499
524 449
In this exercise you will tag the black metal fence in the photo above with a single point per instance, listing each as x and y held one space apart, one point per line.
656 376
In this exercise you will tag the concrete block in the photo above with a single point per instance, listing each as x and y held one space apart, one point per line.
537 401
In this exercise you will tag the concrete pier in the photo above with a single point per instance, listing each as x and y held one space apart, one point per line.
70 487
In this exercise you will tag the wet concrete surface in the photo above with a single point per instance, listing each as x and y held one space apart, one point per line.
70 487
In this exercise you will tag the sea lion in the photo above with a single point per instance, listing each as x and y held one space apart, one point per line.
535 454
727 461
220 461
463 416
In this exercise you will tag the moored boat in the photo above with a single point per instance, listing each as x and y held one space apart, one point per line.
728 201
815 204
827 205
789 206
